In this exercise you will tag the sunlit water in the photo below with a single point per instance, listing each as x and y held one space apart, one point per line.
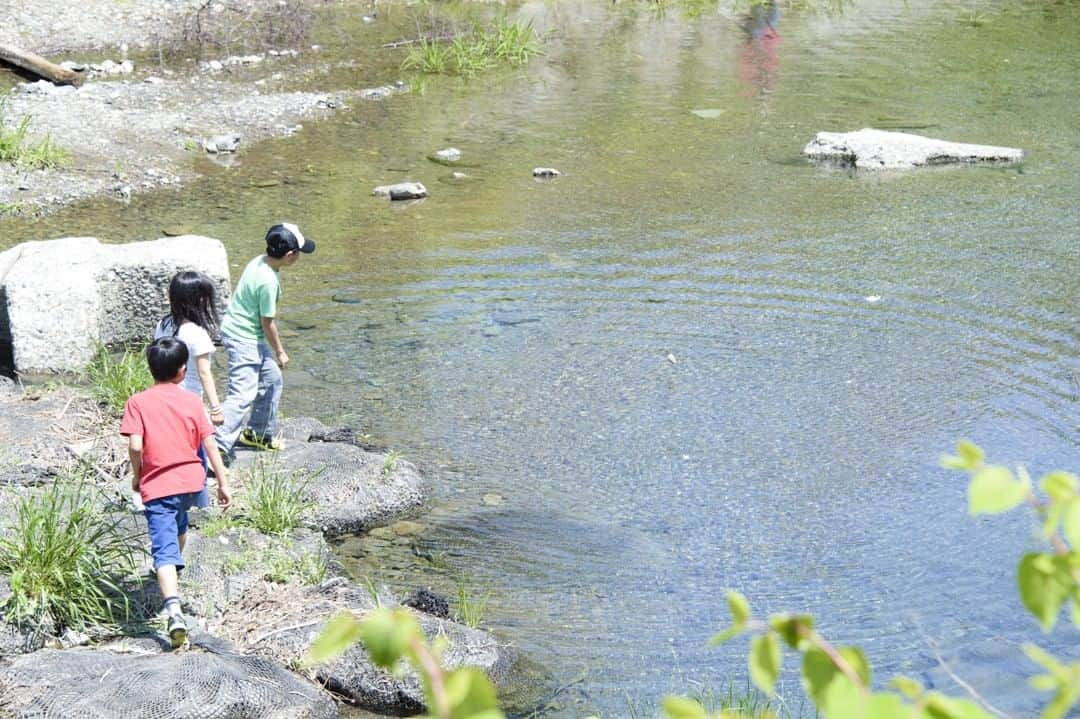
694 361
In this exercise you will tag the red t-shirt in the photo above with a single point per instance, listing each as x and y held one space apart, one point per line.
172 423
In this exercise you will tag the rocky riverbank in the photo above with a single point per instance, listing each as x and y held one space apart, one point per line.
258 600
203 70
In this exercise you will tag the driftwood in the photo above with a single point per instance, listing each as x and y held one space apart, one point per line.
39 66
430 38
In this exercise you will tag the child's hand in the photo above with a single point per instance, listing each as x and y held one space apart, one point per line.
224 496
134 484
218 417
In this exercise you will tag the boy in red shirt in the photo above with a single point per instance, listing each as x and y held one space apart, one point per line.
165 425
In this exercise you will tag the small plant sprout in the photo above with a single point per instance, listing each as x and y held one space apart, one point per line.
390 463
471 608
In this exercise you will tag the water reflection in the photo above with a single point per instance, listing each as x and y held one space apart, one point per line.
758 57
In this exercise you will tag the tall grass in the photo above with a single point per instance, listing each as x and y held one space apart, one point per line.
471 608
469 54
276 501
113 380
15 148
67 557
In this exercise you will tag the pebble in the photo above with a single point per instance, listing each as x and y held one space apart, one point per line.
450 154
401 191
545 172
222 144
492 500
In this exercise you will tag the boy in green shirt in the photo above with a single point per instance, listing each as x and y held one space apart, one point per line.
253 345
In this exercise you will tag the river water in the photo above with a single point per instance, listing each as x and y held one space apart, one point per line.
694 361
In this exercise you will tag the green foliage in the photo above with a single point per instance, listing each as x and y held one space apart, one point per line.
15 148
469 54
113 380
389 464
67 557
471 608
11 208
218 524
838 679
394 636
276 497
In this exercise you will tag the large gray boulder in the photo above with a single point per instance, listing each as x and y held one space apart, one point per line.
140 680
60 298
870 149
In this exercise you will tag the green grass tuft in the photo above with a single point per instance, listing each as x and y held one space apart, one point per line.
67 557
471 609
276 502
469 54
15 148
113 380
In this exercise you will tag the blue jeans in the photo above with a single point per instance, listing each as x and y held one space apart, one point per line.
254 383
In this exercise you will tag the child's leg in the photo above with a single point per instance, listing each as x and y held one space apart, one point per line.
164 518
244 366
264 410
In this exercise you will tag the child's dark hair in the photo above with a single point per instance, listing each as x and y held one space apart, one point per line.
166 355
192 298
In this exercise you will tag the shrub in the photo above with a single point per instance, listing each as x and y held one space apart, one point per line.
112 381
67 557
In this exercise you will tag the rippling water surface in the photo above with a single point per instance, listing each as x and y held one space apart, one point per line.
694 361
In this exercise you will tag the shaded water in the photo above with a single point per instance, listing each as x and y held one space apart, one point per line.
694 362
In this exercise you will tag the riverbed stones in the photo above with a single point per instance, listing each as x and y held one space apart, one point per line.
222 144
60 298
870 149
401 191
146 681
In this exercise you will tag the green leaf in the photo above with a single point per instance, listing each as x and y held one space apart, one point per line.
726 635
820 673
1043 683
1046 661
683 708
939 706
994 490
1045 582
337 635
1070 523
386 635
470 694
791 627
1059 486
765 661
968 457
1075 612
857 660
887 706
739 607
910 688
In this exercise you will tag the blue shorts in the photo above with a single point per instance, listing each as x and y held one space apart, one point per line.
167 519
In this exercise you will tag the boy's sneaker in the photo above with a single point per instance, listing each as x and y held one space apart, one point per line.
249 439
177 630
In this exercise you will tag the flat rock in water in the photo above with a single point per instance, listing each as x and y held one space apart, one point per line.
222 144
545 172
450 154
401 191
708 114
871 149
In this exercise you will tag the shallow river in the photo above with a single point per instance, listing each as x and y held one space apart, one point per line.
694 361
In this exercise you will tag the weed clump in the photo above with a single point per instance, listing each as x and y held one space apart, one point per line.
276 498
15 148
67 558
112 381
469 54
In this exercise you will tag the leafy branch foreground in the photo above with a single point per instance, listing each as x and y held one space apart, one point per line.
838 680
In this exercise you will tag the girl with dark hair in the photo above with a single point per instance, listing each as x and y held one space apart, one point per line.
193 319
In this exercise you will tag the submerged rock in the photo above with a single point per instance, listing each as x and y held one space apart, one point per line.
222 144
450 154
545 172
401 191
871 149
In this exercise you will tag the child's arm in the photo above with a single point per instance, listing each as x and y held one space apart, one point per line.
223 492
274 340
135 455
202 362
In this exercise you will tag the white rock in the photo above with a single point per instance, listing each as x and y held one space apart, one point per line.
401 191
62 297
871 149
222 144
450 154
545 172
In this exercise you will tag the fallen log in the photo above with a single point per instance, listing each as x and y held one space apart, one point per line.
39 66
